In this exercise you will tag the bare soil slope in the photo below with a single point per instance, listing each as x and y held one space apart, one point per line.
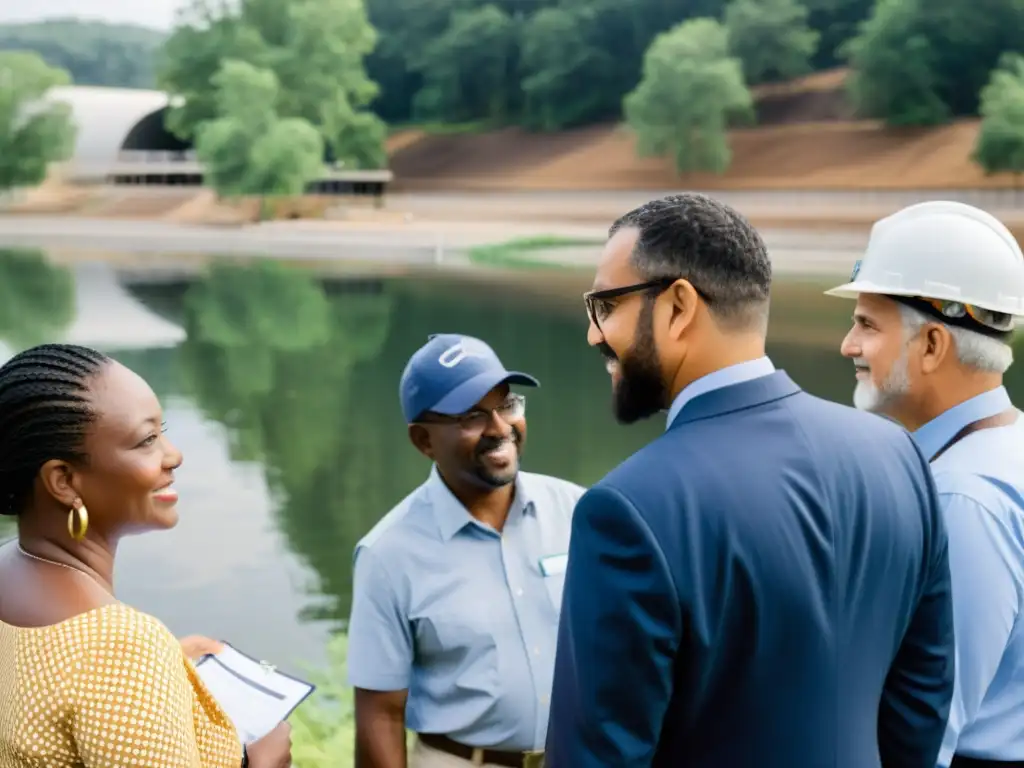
805 140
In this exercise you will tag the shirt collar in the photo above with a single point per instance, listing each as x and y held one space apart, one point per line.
723 377
940 430
452 516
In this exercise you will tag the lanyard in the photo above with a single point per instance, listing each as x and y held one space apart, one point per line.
1004 419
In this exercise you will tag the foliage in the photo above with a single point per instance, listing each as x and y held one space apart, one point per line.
33 133
894 67
323 727
1000 143
691 91
918 62
247 148
315 50
37 298
93 52
518 252
469 63
771 38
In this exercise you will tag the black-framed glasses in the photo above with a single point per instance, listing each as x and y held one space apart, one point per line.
477 419
601 303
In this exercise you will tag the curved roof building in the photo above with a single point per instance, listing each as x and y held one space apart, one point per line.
121 137
111 121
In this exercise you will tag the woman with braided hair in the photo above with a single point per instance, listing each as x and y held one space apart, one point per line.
84 679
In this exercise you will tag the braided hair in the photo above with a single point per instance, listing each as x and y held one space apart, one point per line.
44 414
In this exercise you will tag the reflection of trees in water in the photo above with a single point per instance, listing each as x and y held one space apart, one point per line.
306 379
270 354
37 298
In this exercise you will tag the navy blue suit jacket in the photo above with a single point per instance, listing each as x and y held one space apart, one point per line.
766 584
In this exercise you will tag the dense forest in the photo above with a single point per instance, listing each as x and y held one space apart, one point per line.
271 89
93 53
550 64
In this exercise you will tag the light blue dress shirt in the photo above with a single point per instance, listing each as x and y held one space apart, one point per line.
723 377
464 617
980 481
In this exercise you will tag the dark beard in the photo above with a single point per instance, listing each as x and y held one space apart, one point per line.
641 392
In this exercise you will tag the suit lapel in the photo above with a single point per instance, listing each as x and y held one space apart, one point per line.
736 397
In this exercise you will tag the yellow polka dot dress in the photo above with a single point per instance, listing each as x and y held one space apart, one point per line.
110 688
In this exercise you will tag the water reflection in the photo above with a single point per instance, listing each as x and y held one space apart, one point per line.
37 299
283 396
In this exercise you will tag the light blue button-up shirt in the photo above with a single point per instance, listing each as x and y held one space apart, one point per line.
980 481
723 377
464 617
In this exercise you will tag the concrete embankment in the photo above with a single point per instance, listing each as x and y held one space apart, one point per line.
443 243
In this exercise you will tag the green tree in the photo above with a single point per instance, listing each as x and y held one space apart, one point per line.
690 93
555 61
315 49
919 62
33 132
894 63
1000 143
248 148
771 38
466 69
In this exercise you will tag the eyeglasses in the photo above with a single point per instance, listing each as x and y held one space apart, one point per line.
477 419
601 303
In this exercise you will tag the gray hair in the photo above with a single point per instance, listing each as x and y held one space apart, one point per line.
973 349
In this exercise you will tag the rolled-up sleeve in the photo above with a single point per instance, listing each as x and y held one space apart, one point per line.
985 606
380 646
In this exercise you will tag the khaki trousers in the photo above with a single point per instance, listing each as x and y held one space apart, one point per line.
428 757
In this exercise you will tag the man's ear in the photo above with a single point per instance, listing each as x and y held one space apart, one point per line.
938 346
684 307
58 479
420 437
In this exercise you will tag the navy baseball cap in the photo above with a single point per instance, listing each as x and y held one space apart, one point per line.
450 374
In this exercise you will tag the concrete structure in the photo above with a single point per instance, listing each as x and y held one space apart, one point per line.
121 139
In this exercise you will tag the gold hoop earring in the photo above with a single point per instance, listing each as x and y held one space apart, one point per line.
83 522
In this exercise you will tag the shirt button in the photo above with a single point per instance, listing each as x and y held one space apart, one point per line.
536 651
519 592
543 699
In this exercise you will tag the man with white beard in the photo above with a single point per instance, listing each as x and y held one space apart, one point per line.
938 292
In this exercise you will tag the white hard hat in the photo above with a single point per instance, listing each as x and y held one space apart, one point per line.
942 250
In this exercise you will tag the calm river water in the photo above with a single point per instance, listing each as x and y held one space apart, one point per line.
280 385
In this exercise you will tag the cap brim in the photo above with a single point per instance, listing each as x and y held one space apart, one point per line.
471 392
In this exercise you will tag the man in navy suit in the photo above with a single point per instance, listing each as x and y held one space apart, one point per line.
767 583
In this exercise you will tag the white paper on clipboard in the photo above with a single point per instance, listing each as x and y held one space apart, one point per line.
253 694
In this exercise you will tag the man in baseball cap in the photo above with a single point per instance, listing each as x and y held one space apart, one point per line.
457 590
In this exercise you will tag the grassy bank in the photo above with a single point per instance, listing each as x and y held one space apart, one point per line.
323 727
540 252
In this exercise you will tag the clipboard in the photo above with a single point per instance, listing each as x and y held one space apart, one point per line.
255 695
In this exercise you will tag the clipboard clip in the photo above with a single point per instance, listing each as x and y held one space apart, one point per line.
267 667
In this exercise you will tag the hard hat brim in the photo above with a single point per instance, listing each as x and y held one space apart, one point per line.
857 287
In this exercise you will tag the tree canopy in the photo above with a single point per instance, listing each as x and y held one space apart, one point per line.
1000 144
33 133
348 66
315 50
247 148
690 92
